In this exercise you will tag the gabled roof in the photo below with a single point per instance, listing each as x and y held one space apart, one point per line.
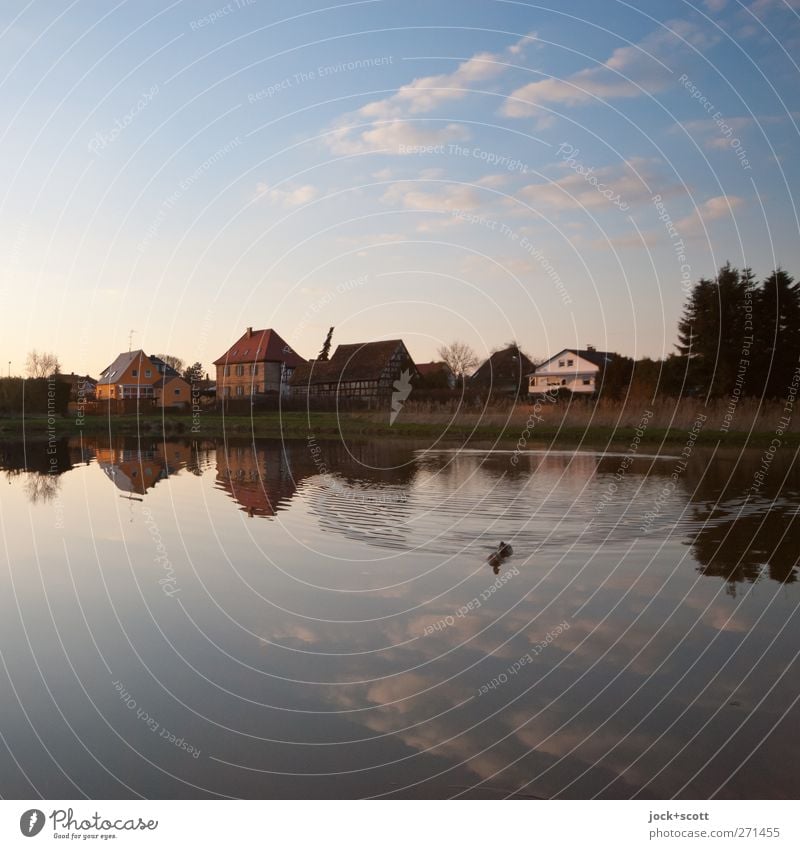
426 369
356 361
597 358
167 379
502 366
164 368
110 373
72 377
258 346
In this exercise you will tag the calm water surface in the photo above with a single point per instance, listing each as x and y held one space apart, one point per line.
318 620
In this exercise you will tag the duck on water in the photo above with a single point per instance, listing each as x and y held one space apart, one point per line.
503 551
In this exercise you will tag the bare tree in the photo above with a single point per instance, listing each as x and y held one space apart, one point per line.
42 364
41 487
175 362
459 357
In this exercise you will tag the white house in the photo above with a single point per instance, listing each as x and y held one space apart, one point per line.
573 369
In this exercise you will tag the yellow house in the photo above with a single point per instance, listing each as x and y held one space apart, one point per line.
136 375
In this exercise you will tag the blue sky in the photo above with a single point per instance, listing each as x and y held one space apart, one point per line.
476 170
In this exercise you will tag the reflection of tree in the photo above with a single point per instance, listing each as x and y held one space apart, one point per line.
741 539
201 457
745 548
718 475
49 457
41 487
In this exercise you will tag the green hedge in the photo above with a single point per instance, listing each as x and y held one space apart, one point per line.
34 397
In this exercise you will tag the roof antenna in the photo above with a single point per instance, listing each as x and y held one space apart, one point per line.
130 340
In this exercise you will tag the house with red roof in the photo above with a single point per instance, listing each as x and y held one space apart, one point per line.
259 362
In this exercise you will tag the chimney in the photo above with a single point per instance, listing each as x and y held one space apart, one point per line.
249 332
590 348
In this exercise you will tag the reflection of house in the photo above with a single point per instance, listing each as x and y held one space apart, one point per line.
363 370
257 476
136 375
137 469
504 373
572 369
258 362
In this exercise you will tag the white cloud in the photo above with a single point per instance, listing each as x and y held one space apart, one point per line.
422 96
628 72
398 137
708 125
288 197
370 239
631 180
494 181
447 198
689 227
717 136
709 210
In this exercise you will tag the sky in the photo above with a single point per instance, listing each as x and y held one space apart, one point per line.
557 173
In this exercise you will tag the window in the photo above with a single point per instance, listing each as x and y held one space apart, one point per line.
227 371
561 363
570 362
227 392
134 373
587 381
134 390
148 372
253 368
240 390
239 371
177 391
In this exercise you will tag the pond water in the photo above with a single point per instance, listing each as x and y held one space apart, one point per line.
310 619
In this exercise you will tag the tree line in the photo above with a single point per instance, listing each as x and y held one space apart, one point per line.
737 335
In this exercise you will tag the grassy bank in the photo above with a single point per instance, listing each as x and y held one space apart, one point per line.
578 423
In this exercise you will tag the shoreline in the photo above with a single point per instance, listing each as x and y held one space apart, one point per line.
294 425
